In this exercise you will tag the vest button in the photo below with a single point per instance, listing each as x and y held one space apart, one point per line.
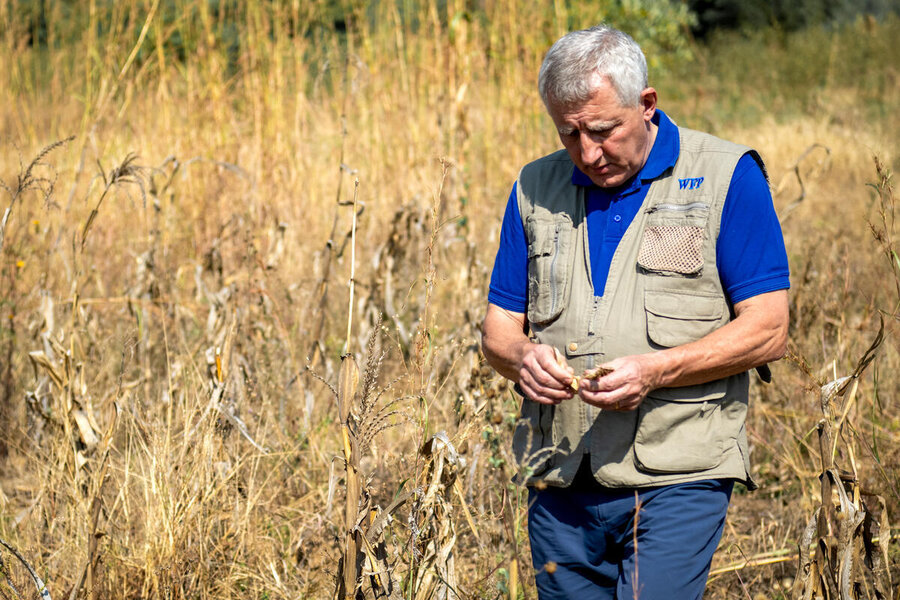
573 347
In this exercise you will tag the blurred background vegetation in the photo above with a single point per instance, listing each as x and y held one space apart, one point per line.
748 15
175 301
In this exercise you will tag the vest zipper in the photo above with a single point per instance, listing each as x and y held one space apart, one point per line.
553 270
678 207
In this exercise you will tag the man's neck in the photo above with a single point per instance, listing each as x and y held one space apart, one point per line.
653 130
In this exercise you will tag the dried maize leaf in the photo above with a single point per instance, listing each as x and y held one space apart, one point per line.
80 460
88 435
89 412
48 313
877 552
804 585
39 359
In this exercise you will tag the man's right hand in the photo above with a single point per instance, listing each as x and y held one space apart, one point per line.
541 373
544 375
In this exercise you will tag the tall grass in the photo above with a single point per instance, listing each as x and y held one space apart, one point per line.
175 306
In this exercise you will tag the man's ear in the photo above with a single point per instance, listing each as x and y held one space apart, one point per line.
648 103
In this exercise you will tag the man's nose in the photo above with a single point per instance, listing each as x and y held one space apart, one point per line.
591 149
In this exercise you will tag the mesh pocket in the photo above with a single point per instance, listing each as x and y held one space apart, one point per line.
672 249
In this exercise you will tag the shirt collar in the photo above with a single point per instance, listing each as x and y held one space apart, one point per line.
662 156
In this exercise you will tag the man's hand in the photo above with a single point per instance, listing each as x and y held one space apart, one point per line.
541 372
632 377
756 336
544 375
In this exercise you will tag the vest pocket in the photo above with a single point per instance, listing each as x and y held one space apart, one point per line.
672 241
549 242
679 437
676 318
682 429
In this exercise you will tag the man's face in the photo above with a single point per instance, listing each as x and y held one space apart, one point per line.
607 141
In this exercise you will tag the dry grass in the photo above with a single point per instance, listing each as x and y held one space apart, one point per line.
175 308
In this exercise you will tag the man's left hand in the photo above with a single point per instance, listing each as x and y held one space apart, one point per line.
756 336
626 387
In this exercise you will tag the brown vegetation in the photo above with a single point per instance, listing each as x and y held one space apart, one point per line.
175 301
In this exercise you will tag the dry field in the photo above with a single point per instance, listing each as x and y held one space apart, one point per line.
205 205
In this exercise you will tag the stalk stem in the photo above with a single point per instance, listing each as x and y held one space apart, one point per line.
352 264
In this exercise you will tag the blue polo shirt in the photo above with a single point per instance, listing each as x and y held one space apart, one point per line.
750 253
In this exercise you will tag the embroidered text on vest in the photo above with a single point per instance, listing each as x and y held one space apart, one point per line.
691 183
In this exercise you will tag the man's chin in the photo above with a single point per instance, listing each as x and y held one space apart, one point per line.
607 180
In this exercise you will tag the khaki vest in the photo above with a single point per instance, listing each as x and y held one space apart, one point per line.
663 290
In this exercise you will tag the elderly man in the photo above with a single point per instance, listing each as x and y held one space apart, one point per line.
641 274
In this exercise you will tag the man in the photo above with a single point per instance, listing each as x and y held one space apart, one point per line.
652 252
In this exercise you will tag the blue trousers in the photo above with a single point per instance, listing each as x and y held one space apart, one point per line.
586 543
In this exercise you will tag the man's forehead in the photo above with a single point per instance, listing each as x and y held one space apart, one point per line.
601 91
595 115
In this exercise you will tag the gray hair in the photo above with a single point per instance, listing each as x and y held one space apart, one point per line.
568 73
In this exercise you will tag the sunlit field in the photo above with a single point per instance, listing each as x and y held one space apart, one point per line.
244 258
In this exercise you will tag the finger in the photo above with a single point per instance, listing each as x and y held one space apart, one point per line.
541 382
597 398
616 400
563 364
539 379
602 385
544 395
609 382
546 373
554 363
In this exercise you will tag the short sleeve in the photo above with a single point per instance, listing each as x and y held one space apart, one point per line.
750 251
509 279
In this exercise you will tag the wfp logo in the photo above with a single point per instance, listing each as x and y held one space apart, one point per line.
691 183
